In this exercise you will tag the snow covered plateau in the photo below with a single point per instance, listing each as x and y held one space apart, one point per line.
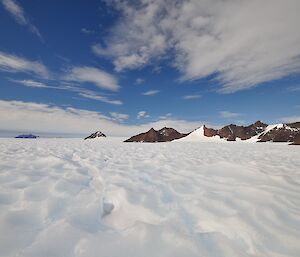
70 197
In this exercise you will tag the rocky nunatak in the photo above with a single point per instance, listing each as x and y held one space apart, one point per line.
281 133
162 135
232 131
97 134
258 132
263 132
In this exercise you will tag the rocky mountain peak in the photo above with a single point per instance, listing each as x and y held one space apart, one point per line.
260 124
97 134
279 133
163 135
263 132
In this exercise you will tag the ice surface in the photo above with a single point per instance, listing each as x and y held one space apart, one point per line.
70 197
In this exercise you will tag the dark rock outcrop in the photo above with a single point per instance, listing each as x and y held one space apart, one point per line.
294 125
296 140
30 136
280 133
261 131
162 135
209 132
231 132
95 135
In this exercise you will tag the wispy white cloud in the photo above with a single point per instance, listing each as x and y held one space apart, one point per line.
139 81
151 92
45 118
165 116
242 43
89 94
130 61
119 116
294 88
290 119
87 31
14 63
78 74
30 83
18 13
142 114
98 77
229 115
189 97
38 84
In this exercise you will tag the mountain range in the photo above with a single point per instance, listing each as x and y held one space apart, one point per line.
256 132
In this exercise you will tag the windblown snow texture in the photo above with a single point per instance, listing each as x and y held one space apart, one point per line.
78 198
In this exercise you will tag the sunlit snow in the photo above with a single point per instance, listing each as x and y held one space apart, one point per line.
70 197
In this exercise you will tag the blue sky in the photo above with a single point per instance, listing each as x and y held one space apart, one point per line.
72 67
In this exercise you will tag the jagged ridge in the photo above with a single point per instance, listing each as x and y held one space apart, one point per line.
232 131
264 132
163 135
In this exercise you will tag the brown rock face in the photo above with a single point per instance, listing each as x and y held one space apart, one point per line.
162 135
231 132
296 140
280 133
228 132
209 132
294 125
170 134
283 133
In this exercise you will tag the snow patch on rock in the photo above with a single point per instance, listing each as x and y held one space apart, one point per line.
198 136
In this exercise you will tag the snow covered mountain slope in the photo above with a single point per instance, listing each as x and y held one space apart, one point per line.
256 132
198 136
76 198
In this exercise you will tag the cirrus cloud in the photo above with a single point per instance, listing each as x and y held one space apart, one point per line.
30 83
290 119
14 63
72 88
190 97
100 78
94 96
229 115
119 116
18 13
151 92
